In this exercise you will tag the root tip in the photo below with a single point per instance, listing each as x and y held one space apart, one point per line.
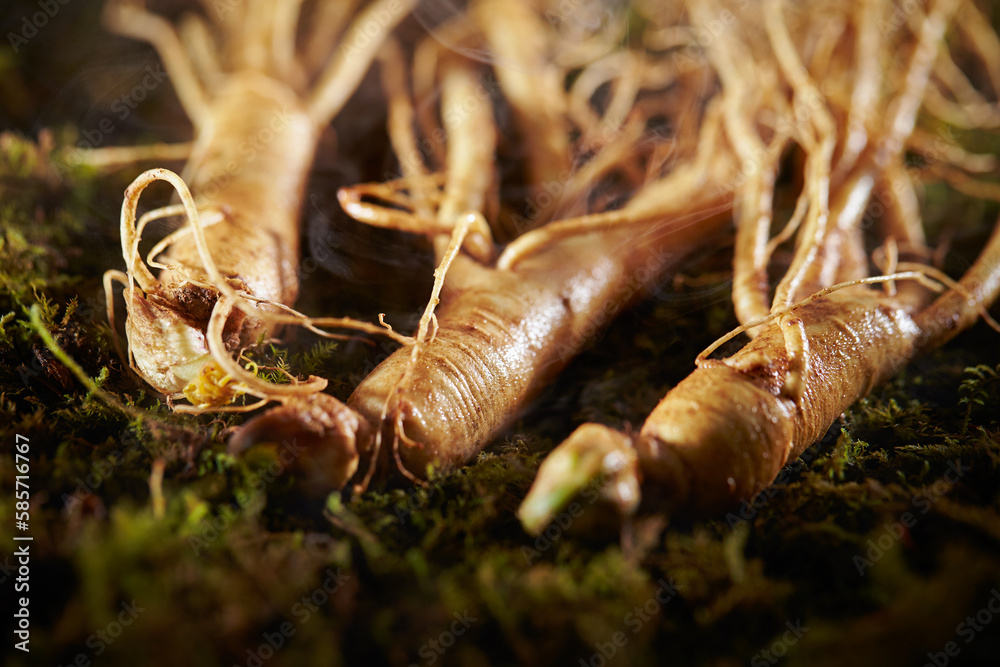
596 463
319 432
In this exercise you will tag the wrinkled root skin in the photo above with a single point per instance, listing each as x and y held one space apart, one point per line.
504 334
723 434
501 336
490 356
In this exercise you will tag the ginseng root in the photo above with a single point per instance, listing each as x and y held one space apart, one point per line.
723 433
500 336
507 326
229 276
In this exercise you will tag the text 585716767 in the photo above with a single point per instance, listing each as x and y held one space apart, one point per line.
22 498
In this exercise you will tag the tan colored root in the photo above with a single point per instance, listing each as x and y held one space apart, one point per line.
519 41
429 204
400 125
466 158
958 309
903 112
865 95
886 258
976 188
623 70
817 135
942 147
286 20
112 157
918 273
966 107
847 148
572 202
202 50
983 40
819 258
327 23
578 44
109 300
404 215
732 59
342 76
903 219
245 302
675 195
252 384
424 335
137 272
472 139
426 59
927 276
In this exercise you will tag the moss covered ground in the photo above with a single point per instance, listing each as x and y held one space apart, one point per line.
151 545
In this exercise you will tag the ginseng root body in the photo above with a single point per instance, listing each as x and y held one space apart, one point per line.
723 433
511 318
254 238
504 334
726 430
258 106
501 335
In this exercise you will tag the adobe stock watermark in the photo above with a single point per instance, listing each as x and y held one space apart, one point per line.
891 533
100 470
222 7
588 17
551 192
804 106
417 498
560 523
120 109
102 638
902 10
454 114
32 23
635 621
883 198
302 611
706 34
968 629
432 650
779 648
640 279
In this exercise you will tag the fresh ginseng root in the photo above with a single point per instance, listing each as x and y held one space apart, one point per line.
229 276
723 434
500 336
